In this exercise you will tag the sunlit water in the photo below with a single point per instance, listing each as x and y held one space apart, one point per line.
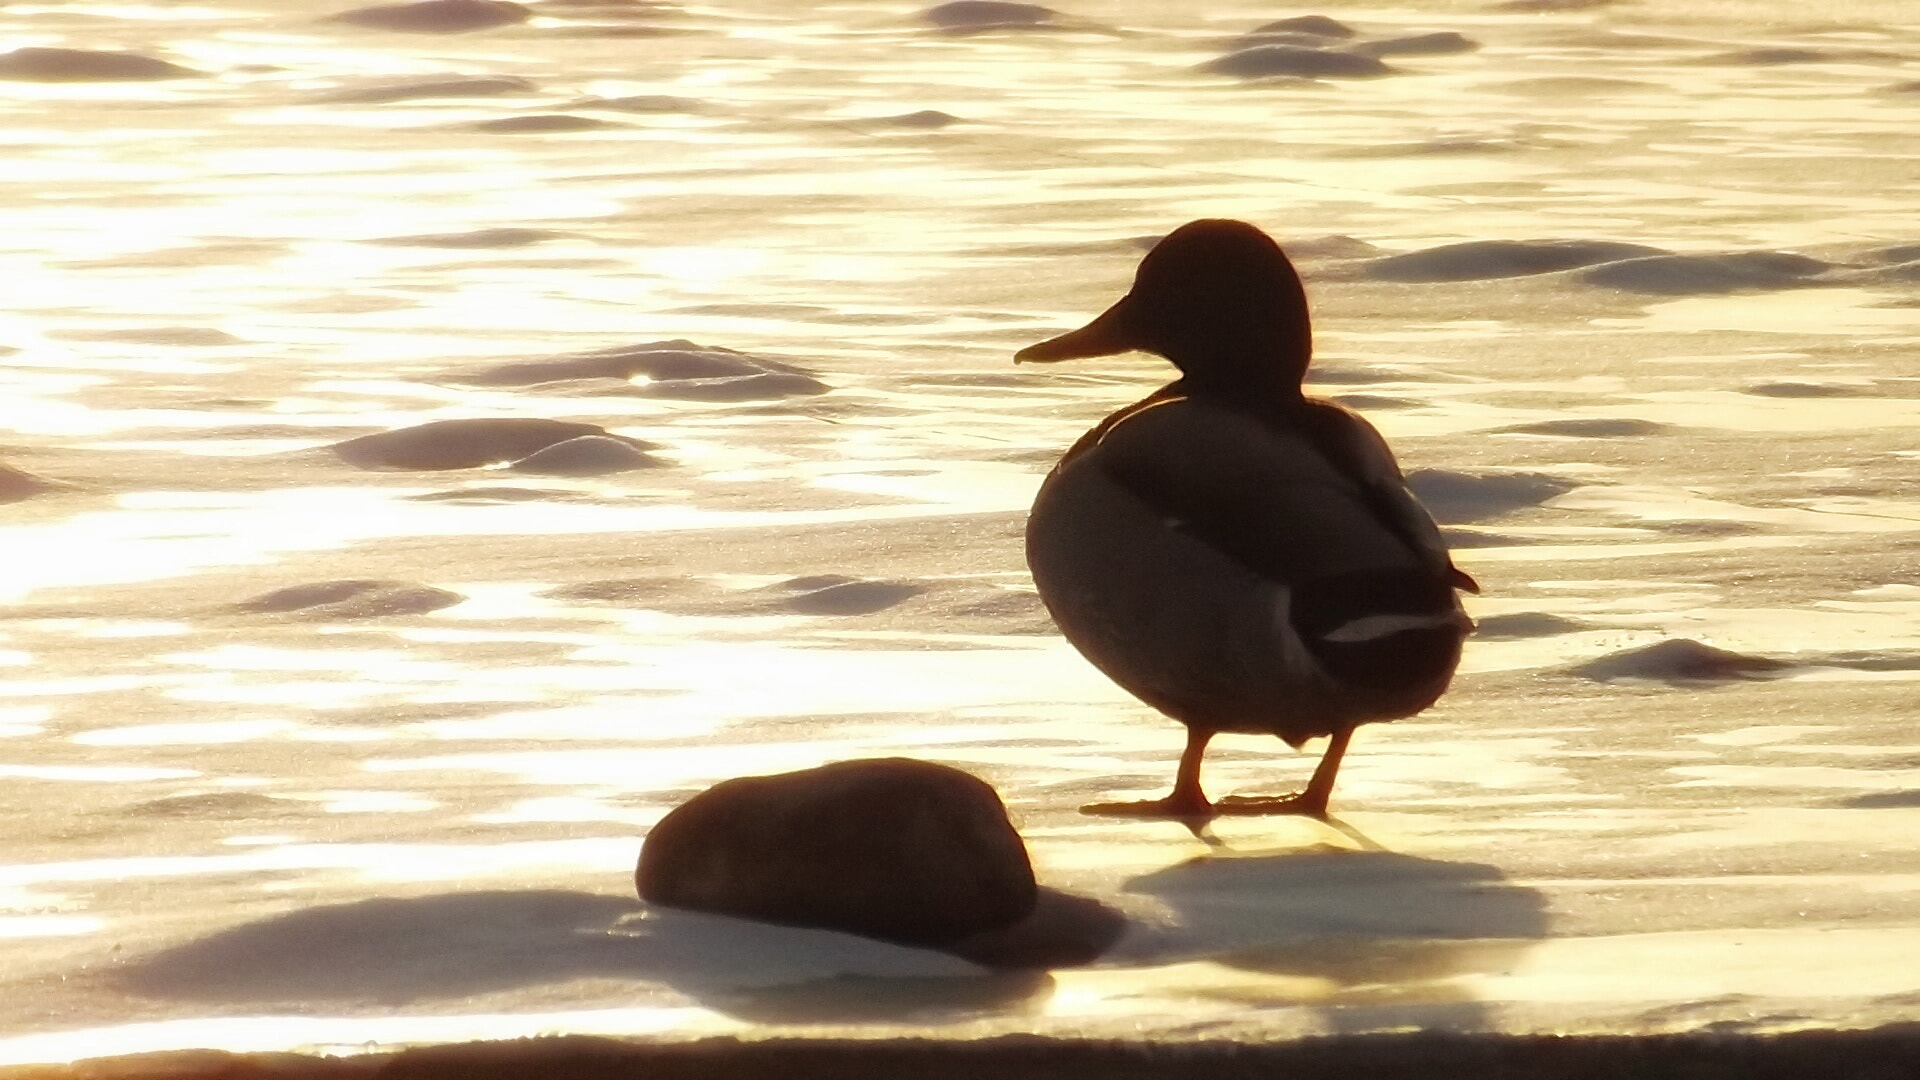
240 817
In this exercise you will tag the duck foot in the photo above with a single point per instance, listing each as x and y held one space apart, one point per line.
1175 807
1302 803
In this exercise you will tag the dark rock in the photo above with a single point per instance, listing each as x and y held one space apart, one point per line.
1063 930
895 849
42 64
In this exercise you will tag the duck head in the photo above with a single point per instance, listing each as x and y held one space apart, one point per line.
1216 297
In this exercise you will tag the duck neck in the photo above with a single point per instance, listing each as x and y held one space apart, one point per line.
1273 382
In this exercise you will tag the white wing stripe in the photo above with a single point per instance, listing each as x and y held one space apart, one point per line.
1373 627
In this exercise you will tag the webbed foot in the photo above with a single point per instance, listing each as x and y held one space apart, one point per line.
1175 807
1303 803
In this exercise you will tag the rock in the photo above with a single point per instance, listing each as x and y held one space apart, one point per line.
1063 930
892 848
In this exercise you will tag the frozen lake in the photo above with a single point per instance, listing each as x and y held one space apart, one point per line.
309 750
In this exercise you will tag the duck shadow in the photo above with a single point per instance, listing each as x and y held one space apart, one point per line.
1372 939
451 947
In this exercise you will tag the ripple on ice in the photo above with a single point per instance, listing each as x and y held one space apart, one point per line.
351 599
437 16
442 86
18 484
980 16
1456 498
1476 260
1680 660
473 443
671 369
41 64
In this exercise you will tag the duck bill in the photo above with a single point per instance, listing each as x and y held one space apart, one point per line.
1108 334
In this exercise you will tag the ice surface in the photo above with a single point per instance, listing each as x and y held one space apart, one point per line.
299 751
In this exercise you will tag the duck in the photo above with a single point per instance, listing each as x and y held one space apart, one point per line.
1236 554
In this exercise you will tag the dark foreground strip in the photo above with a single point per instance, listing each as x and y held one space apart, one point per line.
1886 1053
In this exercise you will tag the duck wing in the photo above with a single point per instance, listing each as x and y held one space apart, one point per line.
1356 448
1269 496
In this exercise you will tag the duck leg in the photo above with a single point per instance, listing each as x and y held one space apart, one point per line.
1309 803
1187 802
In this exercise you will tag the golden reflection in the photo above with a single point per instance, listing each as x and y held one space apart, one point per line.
348 1035
209 279
94 774
33 926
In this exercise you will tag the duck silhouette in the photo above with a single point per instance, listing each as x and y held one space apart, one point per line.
1238 555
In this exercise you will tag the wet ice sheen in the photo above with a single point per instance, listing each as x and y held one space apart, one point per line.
736 286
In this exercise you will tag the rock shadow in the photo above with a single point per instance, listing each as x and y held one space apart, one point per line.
447 947
1374 939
